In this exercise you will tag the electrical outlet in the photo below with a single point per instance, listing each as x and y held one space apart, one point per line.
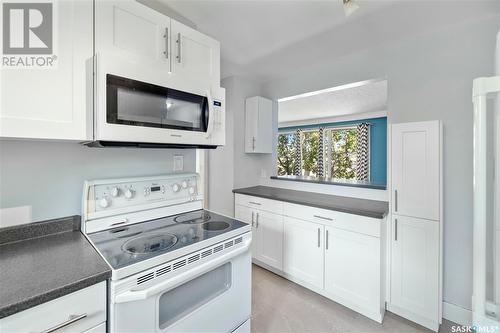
178 162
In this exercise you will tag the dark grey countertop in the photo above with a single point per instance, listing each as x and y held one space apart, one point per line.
363 207
57 262
333 181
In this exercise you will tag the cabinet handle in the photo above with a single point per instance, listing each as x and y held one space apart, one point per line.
326 244
319 235
252 218
72 319
395 200
323 218
395 229
257 221
179 47
253 143
254 203
166 43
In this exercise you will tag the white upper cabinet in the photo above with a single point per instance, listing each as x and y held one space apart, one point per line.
195 55
51 103
304 251
416 169
133 31
415 269
258 125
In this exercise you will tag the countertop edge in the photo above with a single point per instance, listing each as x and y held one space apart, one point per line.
31 302
322 182
360 213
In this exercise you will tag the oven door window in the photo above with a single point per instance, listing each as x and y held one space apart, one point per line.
135 103
186 298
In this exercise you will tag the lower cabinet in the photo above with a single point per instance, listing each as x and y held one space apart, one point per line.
267 235
81 311
415 270
304 251
352 270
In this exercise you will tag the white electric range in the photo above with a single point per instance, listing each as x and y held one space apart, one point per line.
175 266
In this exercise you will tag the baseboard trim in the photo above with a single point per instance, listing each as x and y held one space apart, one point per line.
457 314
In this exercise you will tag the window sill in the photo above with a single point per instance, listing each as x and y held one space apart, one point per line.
333 181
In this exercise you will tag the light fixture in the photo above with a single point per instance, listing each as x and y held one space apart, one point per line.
349 7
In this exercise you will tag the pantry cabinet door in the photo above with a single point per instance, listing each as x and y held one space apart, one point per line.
269 228
131 30
52 102
303 251
195 55
415 266
352 267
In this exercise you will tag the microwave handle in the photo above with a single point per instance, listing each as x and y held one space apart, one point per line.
211 114
166 285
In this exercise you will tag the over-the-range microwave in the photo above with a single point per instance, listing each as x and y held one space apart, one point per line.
137 105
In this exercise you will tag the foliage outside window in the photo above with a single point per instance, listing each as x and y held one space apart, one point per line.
339 152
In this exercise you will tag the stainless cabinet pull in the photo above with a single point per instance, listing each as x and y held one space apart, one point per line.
166 43
257 222
252 218
179 47
255 203
72 319
395 200
395 229
253 143
323 218
319 235
326 244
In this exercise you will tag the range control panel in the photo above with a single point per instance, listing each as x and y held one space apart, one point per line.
134 191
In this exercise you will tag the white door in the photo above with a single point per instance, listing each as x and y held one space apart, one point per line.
264 143
416 169
303 250
247 215
133 31
195 55
269 228
51 102
414 266
251 124
352 267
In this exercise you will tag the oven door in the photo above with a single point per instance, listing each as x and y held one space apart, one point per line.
212 296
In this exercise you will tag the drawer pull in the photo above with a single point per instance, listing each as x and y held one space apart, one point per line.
319 236
255 203
323 218
72 319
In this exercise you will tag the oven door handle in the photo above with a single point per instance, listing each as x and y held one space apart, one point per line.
166 285
211 114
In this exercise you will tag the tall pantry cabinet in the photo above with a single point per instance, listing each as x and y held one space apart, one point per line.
416 226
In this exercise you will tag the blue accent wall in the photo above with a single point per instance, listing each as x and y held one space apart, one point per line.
378 144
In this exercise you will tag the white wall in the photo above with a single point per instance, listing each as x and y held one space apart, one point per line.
48 176
430 77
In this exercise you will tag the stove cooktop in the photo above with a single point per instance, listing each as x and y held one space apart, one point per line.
131 244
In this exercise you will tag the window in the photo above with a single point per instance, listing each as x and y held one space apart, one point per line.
339 152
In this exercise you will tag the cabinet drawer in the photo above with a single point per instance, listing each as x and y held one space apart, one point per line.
81 311
272 206
351 222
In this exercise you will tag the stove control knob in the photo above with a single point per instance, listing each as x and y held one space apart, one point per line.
104 202
191 190
184 184
115 191
176 187
129 193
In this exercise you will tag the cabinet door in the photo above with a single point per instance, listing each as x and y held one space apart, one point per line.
195 55
134 31
251 124
247 215
51 103
414 266
352 267
270 233
416 169
303 251
264 142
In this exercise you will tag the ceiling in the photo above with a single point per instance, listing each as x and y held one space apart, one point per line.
263 39
342 101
